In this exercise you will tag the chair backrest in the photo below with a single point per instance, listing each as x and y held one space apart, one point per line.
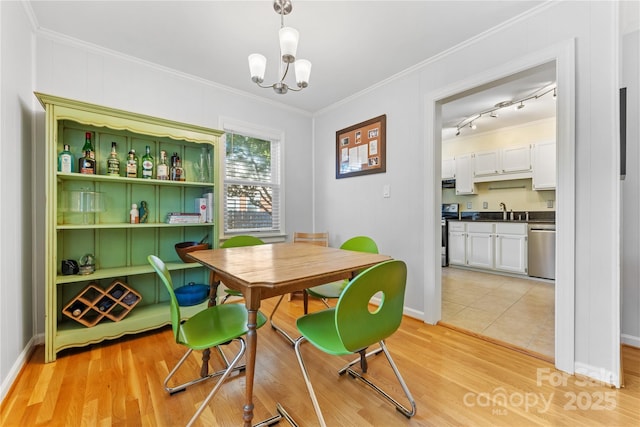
238 241
160 268
359 326
319 239
360 244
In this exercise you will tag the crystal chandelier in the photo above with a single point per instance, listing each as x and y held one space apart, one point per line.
288 46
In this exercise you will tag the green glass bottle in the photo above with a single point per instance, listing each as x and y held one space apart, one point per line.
66 160
88 146
147 164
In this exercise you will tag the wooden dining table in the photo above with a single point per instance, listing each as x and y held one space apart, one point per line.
269 270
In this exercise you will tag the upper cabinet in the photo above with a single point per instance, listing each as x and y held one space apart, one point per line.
464 174
516 159
544 165
486 163
448 168
536 161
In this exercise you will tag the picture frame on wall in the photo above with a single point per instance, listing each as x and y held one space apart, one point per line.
361 148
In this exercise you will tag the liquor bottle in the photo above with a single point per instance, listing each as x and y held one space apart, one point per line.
147 164
88 146
65 160
113 162
162 170
132 164
177 172
87 164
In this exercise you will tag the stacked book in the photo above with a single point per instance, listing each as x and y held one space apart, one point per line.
183 218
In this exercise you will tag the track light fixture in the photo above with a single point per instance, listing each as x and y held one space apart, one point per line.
288 47
493 112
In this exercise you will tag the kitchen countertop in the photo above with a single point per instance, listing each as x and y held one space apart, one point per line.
539 217
531 221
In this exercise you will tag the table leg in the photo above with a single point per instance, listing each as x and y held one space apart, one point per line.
252 344
213 297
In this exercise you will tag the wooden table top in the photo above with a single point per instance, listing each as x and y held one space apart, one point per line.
283 267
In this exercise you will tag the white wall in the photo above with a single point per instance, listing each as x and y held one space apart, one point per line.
631 194
16 291
397 222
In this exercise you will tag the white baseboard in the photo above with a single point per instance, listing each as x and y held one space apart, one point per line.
18 364
596 373
630 340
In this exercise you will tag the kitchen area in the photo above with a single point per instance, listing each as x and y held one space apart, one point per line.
498 228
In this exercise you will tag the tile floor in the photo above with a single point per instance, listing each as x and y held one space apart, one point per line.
518 311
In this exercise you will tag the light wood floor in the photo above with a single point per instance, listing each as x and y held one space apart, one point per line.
456 380
513 310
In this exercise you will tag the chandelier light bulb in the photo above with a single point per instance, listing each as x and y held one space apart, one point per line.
257 66
303 71
288 44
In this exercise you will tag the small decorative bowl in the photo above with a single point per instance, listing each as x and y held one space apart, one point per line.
191 294
185 247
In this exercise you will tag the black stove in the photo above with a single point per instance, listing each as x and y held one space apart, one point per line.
449 211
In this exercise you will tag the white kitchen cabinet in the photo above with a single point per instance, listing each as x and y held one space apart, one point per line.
516 159
464 174
457 243
480 245
448 168
544 165
486 163
511 247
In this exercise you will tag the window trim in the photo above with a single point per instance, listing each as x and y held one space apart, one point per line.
227 125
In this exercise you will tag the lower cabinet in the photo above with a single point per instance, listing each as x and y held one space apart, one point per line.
511 248
457 243
494 246
480 245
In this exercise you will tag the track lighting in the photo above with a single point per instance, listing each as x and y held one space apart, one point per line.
493 112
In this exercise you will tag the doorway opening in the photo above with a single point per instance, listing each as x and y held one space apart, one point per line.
488 284
563 58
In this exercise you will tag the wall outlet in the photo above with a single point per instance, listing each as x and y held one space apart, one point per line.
469 205
485 205
550 204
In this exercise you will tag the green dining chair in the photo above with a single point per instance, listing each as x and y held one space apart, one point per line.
211 327
334 290
328 290
236 242
352 326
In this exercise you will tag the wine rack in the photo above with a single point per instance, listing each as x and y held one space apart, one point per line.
93 303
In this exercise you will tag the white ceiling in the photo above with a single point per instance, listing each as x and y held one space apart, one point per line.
352 45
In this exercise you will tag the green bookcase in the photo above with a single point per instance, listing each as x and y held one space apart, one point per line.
120 248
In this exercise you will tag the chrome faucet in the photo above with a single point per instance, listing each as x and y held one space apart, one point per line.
504 211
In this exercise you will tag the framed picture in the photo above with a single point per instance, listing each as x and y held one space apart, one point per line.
361 148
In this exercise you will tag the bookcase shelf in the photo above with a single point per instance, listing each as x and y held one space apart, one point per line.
120 249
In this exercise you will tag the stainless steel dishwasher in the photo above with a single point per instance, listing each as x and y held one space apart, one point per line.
542 250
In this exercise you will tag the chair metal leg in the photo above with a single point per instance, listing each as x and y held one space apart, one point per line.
276 327
307 381
281 413
181 387
345 368
406 412
224 376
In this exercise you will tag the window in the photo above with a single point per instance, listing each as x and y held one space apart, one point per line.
252 180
